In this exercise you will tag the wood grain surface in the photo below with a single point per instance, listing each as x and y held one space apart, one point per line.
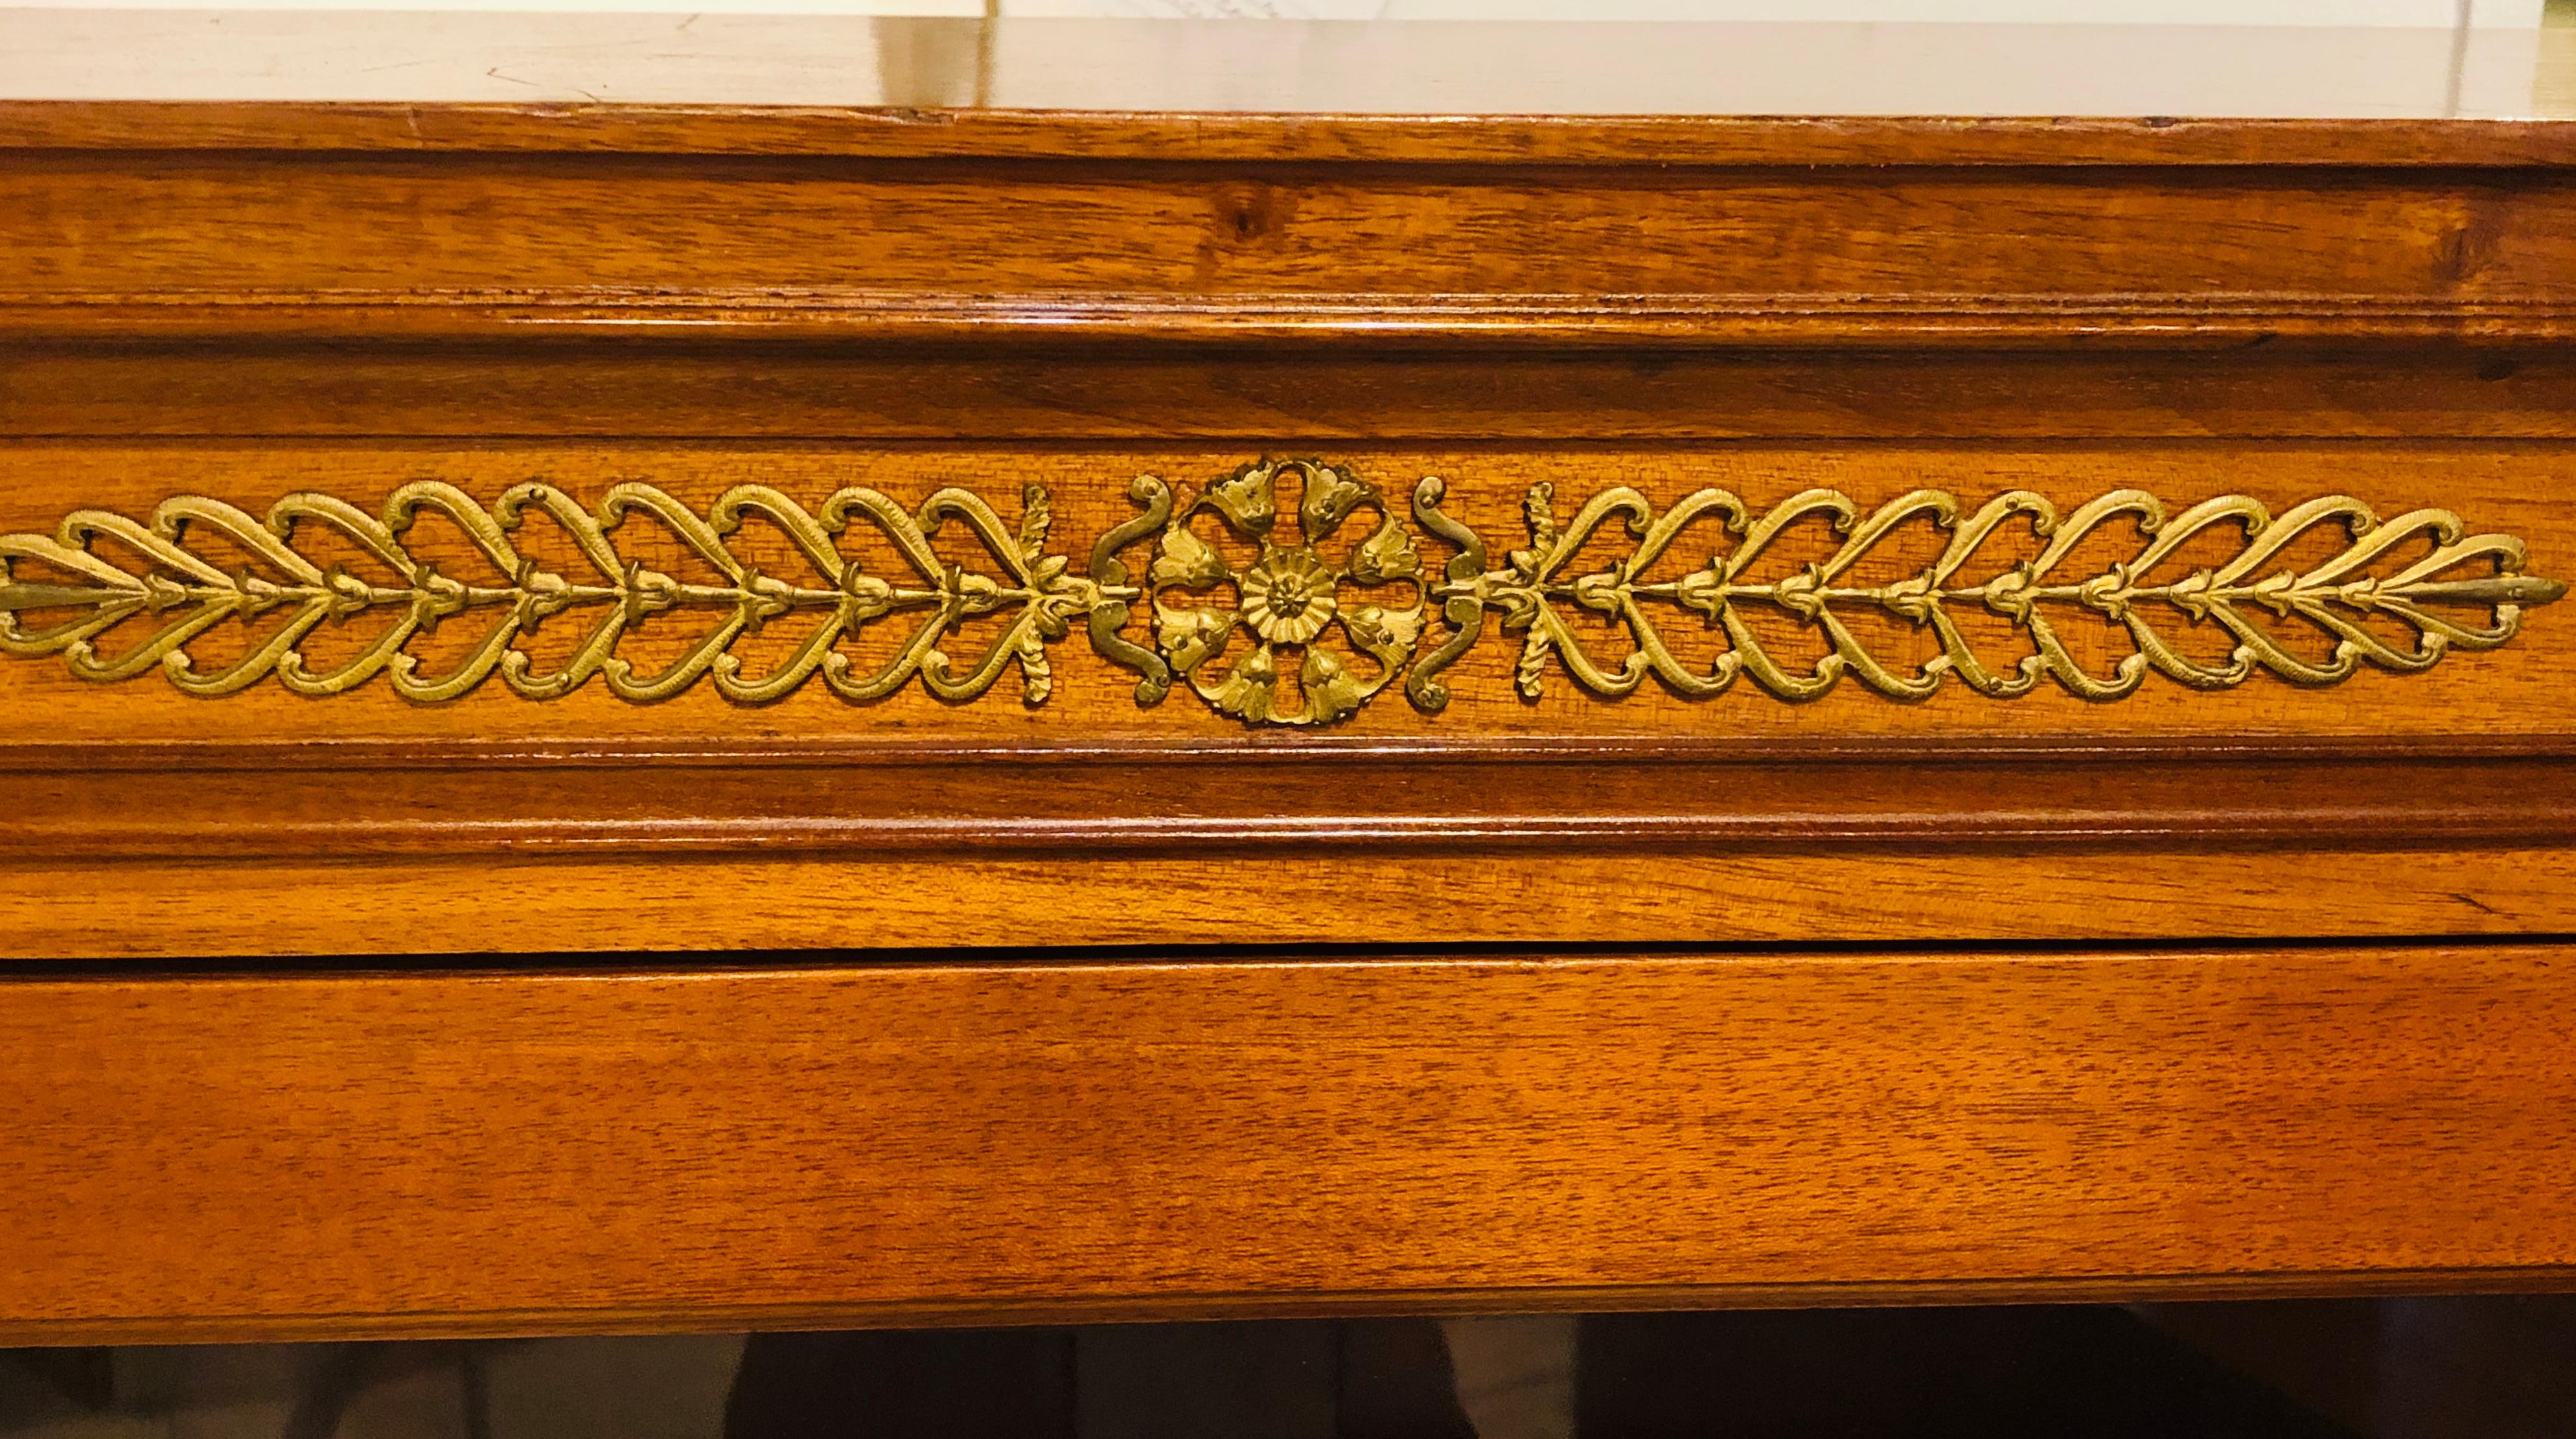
1122 1012
269 823
220 1156
1296 889
1084 805
518 126
351 246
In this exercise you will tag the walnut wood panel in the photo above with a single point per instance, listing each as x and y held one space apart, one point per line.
1935 890
2516 692
118 242
217 1156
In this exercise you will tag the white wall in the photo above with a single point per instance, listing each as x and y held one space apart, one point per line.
2429 13
2441 14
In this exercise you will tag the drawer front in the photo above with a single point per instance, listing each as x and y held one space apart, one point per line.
547 547
219 1156
436 697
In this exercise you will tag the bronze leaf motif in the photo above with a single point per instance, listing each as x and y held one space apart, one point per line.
1287 592
184 594
1535 589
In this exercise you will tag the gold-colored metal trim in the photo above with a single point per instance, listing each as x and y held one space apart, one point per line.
1533 591
1350 612
1341 607
196 594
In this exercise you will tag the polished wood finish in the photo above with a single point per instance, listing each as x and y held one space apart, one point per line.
144 245
506 126
518 1151
1298 891
1557 185
1524 1002
1420 802
468 852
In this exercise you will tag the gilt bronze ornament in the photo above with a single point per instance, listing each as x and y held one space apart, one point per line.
1287 592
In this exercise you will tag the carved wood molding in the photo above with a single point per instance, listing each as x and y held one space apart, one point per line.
1333 605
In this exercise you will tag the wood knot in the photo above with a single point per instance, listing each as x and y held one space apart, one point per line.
1246 213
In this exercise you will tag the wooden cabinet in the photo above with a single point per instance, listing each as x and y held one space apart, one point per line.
658 713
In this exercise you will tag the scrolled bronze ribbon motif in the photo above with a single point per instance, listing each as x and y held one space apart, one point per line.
1288 592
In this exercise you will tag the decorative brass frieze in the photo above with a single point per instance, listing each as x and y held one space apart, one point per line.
1533 591
186 594
1289 592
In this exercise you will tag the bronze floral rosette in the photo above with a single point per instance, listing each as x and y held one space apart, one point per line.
1341 615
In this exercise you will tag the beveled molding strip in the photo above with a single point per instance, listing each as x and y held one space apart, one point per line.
1506 321
1337 593
930 132
313 806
